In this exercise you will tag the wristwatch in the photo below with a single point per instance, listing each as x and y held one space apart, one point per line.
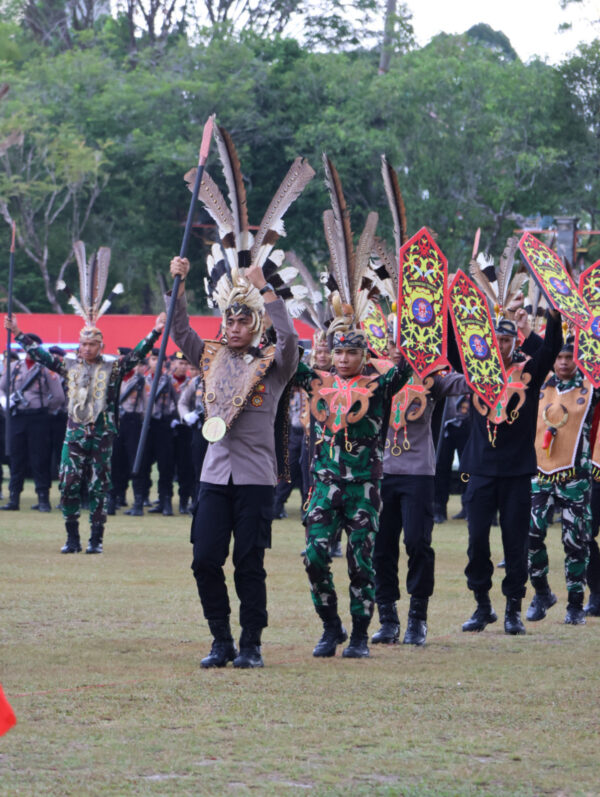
266 288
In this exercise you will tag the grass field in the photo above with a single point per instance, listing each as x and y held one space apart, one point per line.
100 660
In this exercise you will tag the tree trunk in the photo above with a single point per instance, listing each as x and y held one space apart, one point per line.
388 31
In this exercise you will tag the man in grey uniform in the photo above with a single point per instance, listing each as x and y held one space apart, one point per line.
242 388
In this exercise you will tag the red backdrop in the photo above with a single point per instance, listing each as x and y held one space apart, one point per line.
118 330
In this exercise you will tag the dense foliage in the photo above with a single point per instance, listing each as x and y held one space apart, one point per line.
109 118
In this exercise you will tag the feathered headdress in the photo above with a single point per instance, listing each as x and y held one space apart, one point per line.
497 282
93 276
226 286
349 296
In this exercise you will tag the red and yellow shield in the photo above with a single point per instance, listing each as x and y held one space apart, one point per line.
476 339
587 342
422 304
375 329
554 280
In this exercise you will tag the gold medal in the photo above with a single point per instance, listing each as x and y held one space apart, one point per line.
214 429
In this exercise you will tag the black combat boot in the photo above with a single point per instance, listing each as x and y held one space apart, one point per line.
389 633
111 504
416 627
512 617
592 607
483 614
334 632
543 599
44 501
184 506
72 545
358 647
223 648
121 500
575 614
137 510
249 655
13 502
95 541
157 508
167 506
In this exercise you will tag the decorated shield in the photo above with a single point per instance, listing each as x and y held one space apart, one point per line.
476 339
422 304
375 328
554 280
587 343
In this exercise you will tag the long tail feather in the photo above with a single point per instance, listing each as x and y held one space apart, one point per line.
342 230
504 269
296 180
84 288
395 201
363 253
235 184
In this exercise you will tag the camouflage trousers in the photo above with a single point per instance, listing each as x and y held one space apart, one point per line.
353 506
573 498
85 457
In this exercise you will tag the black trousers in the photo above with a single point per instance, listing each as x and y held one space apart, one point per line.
454 439
160 448
244 511
124 450
30 443
408 506
511 496
593 570
58 427
182 443
298 471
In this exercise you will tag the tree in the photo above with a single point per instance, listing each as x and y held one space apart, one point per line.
48 174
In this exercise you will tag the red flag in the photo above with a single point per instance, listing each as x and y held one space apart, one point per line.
7 715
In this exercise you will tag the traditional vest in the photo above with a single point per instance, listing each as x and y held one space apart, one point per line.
339 396
560 422
231 380
88 387
407 405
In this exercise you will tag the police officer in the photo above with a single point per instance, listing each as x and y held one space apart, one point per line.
33 393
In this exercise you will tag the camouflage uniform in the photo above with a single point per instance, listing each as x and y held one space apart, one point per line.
86 452
573 498
570 492
347 469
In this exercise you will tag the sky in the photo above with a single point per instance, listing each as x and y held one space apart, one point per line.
531 25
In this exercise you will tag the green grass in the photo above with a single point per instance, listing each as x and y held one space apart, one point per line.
99 656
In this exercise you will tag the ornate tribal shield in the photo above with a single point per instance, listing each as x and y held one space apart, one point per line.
554 280
375 328
587 343
422 304
476 339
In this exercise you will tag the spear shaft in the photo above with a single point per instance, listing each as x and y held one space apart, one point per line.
204 148
11 272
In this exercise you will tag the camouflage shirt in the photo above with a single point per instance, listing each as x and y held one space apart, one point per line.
354 452
106 421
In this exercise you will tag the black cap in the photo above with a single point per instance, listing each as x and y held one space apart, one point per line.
57 350
155 352
506 327
179 355
124 349
35 338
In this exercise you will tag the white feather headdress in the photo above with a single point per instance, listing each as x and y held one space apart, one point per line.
93 275
226 285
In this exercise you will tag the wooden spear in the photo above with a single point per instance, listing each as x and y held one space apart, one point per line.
204 148
11 272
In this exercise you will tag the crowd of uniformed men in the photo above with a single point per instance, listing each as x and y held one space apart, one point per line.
38 402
